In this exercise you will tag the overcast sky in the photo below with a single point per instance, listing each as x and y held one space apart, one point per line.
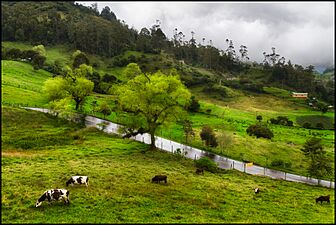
300 31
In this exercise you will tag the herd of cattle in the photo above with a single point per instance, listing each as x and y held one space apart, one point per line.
63 194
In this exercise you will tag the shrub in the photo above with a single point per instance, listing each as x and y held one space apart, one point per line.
194 105
319 126
208 136
277 162
306 125
206 164
259 131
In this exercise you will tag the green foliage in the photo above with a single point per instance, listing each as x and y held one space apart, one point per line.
54 88
259 118
153 98
194 105
79 59
281 120
132 70
259 130
319 165
74 84
206 164
40 49
207 134
105 109
311 121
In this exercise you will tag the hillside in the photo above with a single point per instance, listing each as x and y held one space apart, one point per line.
120 190
74 59
229 117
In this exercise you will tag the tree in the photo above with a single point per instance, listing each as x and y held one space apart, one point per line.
40 49
79 59
319 164
259 130
106 13
259 118
73 85
208 135
132 70
105 109
150 101
194 105
187 128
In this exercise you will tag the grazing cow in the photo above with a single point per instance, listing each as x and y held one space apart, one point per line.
323 198
78 180
199 171
256 191
54 195
159 178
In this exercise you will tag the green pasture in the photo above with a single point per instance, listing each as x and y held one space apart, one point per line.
120 190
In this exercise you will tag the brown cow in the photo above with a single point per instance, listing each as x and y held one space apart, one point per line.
323 198
159 178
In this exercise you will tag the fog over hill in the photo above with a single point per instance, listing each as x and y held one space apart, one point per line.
300 31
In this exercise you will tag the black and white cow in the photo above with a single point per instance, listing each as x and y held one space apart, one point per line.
78 180
54 195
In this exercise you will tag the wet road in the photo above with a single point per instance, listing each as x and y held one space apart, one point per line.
194 153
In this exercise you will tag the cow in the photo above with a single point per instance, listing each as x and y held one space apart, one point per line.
199 171
256 190
159 178
323 198
54 195
78 180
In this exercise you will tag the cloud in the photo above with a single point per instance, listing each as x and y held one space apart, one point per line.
302 32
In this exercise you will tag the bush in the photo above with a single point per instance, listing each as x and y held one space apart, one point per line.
206 164
259 131
306 125
277 162
208 136
194 105
320 126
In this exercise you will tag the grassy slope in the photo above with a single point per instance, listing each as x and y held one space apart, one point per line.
120 190
232 116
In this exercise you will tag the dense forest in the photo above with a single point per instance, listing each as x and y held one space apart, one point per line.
102 33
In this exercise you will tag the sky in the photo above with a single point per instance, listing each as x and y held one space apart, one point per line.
302 32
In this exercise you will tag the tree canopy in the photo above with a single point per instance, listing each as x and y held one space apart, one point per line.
152 100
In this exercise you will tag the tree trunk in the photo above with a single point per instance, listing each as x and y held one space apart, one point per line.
77 105
152 146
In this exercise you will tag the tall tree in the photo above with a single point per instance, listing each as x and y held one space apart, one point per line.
151 100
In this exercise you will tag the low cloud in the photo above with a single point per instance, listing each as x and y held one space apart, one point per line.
302 32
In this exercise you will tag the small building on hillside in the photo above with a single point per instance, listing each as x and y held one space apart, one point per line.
299 95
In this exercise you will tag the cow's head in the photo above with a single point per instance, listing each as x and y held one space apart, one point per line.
38 204
41 199
70 181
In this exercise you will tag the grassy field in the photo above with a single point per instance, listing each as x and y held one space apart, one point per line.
120 190
22 85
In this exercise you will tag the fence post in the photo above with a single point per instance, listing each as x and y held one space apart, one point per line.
244 167
161 144
143 139
172 148
195 156
264 171
232 164
285 176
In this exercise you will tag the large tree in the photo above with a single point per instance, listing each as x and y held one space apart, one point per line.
73 85
150 101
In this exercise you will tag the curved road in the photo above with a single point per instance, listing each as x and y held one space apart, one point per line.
195 153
